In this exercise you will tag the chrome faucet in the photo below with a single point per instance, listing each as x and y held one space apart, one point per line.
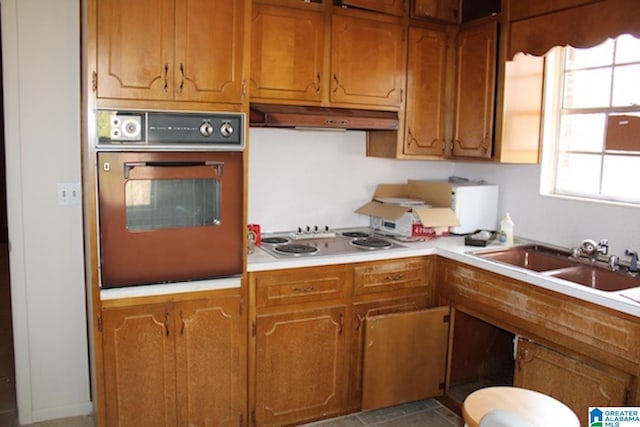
633 264
592 249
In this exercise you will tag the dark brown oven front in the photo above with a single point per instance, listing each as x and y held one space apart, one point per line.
169 216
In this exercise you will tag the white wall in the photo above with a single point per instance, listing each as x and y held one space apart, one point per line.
300 178
42 136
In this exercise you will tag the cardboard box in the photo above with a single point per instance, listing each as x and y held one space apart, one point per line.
412 221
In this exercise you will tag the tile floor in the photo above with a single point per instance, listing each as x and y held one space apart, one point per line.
424 413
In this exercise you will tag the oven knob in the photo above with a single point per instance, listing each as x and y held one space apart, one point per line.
206 129
226 129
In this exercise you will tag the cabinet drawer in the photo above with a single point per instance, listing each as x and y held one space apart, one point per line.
391 275
300 285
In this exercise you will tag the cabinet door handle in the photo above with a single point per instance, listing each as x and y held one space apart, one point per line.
182 324
335 78
394 277
340 323
166 73
359 320
307 289
181 77
318 84
166 323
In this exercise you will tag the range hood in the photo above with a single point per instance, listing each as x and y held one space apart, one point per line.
294 116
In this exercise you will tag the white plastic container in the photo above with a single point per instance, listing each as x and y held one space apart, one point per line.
506 230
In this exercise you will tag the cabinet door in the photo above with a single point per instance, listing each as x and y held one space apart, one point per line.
392 7
361 312
210 360
209 47
444 10
404 357
476 76
367 64
300 366
135 49
575 383
139 366
287 53
426 84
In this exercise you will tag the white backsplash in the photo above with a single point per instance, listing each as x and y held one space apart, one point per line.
299 178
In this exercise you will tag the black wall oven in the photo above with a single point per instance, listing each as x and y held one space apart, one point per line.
170 196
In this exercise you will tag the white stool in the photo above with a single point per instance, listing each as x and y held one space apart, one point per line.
515 407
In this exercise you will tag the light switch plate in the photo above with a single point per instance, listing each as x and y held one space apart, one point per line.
69 193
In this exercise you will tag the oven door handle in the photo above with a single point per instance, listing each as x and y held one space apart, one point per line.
130 165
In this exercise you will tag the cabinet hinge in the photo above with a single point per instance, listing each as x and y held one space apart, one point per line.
253 329
446 318
627 396
253 417
94 81
99 323
244 89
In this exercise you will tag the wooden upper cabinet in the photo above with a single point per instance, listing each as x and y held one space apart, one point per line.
135 49
287 53
391 7
426 86
367 61
476 84
139 366
443 10
182 50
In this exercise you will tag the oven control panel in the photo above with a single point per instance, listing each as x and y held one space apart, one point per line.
119 129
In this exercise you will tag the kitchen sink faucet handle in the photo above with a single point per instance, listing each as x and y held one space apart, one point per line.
633 264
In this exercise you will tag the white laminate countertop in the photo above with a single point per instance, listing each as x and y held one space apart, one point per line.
455 249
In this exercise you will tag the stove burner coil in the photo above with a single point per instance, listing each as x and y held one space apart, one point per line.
355 234
274 240
296 249
371 243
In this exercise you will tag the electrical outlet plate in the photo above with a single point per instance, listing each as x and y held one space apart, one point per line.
69 193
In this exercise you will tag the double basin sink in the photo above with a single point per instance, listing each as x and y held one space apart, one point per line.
556 263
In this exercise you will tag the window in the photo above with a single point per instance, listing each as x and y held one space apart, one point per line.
592 122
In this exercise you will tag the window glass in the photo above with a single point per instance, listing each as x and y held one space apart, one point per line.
585 91
626 85
597 56
587 88
170 203
582 132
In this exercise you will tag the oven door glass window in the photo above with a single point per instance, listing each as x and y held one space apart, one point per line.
153 204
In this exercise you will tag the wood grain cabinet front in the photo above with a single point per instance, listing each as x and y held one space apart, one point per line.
301 365
174 363
170 50
392 7
287 53
579 384
475 90
424 130
392 275
367 61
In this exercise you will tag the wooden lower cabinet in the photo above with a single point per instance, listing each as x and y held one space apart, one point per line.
174 363
404 357
301 366
309 342
574 382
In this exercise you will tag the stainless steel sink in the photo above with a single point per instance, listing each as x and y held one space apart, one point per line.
558 263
